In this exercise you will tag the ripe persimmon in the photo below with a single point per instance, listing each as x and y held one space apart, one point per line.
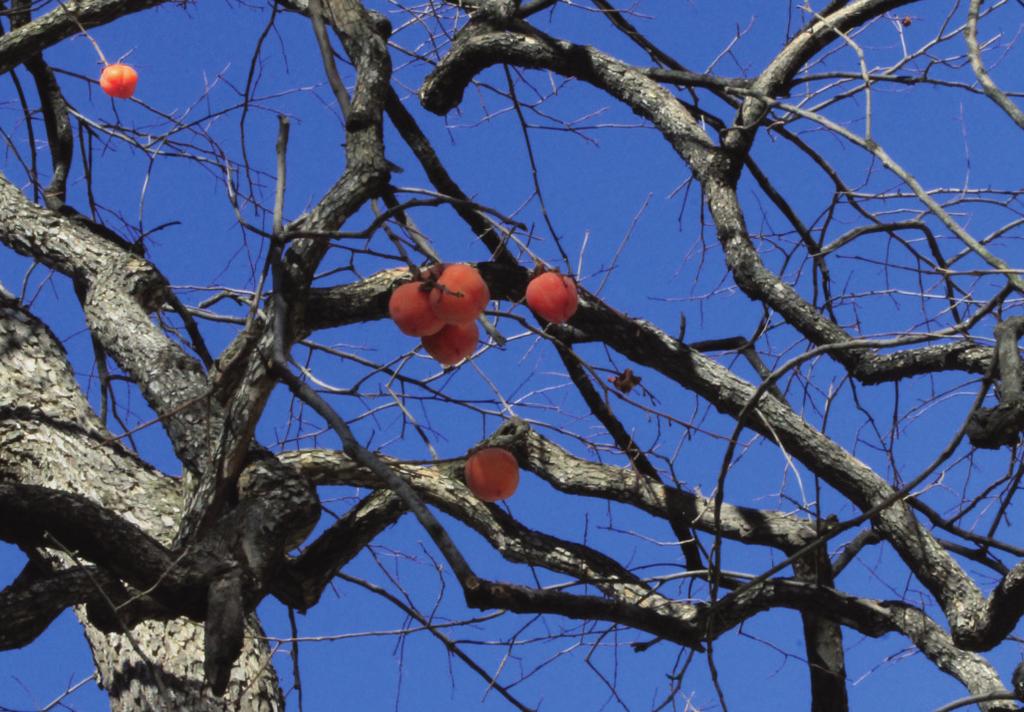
492 474
452 343
119 80
460 295
552 296
409 308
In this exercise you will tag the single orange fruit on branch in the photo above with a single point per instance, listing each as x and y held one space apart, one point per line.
492 474
119 80
552 297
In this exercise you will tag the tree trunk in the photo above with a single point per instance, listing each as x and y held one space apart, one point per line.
170 674
50 436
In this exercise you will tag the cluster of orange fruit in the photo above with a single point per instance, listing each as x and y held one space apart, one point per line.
442 311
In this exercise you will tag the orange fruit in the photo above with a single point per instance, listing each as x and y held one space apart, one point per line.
460 296
492 474
552 297
452 343
119 80
409 308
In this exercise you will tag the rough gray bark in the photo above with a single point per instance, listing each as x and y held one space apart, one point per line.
49 436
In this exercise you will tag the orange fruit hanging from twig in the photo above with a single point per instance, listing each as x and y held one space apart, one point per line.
452 343
409 308
119 80
460 295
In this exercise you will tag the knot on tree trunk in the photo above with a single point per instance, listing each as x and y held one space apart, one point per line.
992 428
1018 681
277 509
225 622
511 435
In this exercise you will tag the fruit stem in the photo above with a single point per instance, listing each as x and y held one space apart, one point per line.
446 290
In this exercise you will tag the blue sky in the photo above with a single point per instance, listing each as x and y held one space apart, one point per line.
617 196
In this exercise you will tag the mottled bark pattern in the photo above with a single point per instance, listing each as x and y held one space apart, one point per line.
49 436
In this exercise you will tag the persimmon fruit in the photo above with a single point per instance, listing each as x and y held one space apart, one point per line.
452 343
409 308
460 295
553 297
119 80
492 474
